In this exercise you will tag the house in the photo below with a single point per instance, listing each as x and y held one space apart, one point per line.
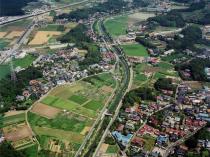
138 141
162 139
124 140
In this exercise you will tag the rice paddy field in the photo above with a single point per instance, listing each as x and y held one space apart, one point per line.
135 50
78 105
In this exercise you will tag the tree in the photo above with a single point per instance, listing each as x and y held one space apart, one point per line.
6 150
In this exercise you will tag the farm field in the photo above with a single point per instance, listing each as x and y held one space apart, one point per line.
15 129
68 112
14 34
13 119
135 50
42 37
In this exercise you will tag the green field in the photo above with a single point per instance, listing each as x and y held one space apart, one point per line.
117 26
65 122
78 99
31 151
68 105
149 142
60 134
112 149
135 50
3 44
165 66
4 70
16 119
94 105
24 62
53 27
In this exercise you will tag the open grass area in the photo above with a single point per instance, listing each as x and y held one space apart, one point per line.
117 25
67 122
135 50
112 149
149 142
24 62
94 105
15 119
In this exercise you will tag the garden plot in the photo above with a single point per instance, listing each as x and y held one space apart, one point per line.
18 132
45 110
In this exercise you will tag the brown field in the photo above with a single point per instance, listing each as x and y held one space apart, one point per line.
17 133
194 84
2 34
85 130
107 89
42 37
45 110
151 69
104 148
14 34
12 113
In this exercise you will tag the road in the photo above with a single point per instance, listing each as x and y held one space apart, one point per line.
44 12
126 84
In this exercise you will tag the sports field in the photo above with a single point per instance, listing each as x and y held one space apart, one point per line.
117 25
135 50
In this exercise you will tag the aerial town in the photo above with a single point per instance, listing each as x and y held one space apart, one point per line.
105 78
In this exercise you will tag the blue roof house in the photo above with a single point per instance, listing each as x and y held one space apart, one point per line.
124 140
